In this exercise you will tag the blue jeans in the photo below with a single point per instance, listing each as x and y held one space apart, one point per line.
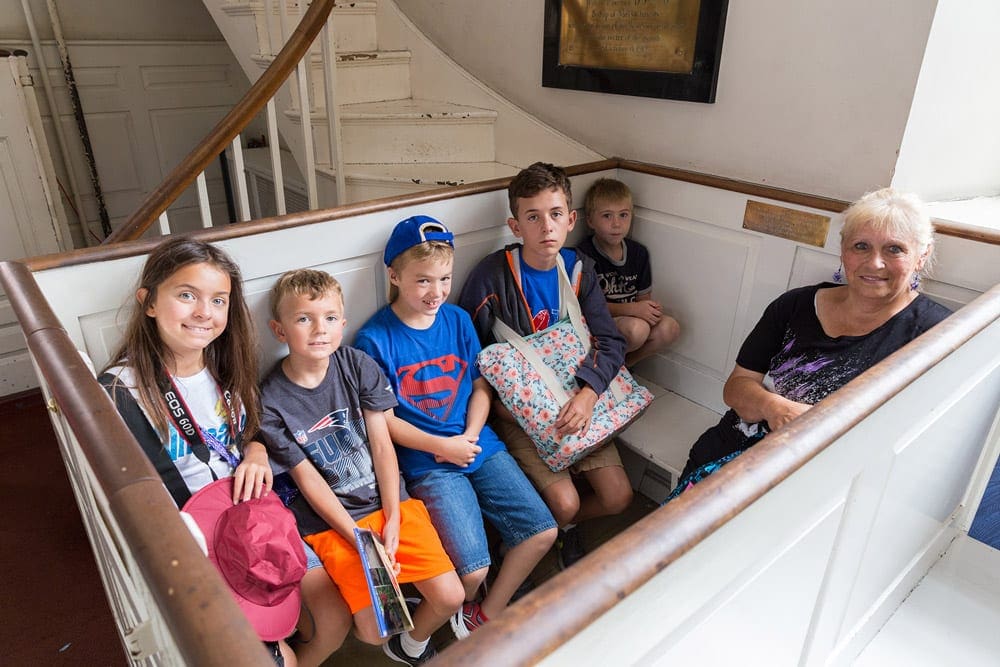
457 502
312 560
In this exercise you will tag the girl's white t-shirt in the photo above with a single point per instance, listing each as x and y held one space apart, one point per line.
206 405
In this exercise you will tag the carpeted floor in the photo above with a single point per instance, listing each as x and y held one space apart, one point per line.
53 609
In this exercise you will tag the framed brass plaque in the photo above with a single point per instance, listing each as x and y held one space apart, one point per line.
788 223
651 48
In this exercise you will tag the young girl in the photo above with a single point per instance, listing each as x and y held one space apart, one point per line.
185 382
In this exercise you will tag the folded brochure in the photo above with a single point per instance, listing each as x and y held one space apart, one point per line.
388 602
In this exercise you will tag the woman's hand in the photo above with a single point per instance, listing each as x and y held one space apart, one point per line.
574 418
745 393
252 477
779 411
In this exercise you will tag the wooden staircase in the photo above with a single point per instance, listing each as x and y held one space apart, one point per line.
397 136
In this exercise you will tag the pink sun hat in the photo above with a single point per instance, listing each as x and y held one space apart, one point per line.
256 547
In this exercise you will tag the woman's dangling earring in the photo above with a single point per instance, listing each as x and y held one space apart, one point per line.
915 283
838 275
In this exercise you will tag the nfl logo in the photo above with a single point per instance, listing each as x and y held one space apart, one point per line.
301 437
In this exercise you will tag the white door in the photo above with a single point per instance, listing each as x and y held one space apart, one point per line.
31 223
29 219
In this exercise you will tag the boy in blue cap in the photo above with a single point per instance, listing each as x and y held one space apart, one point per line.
450 458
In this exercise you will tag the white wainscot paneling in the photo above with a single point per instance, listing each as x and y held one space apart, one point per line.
97 80
950 296
172 133
919 499
102 332
744 595
966 263
126 89
116 151
95 290
720 208
812 266
700 274
11 338
357 279
471 248
185 77
766 621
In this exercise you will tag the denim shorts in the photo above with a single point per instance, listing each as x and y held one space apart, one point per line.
498 490
312 560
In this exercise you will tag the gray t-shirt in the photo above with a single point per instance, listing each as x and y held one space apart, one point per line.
326 425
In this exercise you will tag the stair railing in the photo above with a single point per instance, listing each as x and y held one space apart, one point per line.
292 62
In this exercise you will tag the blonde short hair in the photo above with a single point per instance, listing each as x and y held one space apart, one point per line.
605 190
902 214
303 282
435 250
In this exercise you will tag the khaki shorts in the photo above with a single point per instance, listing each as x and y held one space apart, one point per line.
522 448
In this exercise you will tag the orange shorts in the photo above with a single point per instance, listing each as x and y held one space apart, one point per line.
420 554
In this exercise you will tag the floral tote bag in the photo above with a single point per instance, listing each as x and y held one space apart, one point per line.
534 376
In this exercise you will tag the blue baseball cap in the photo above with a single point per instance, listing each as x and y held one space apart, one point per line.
414 231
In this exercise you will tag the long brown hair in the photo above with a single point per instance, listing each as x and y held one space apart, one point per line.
231 357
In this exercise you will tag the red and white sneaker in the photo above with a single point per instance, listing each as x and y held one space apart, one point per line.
467 619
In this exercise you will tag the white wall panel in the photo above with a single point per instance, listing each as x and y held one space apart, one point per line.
811 266
102 333
700 274
753 563
147 104
919 497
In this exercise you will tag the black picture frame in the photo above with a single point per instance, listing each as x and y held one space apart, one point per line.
697 86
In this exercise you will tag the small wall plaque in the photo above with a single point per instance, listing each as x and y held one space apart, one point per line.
788 223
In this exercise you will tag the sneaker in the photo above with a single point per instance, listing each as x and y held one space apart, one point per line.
467 619
394 649
568 547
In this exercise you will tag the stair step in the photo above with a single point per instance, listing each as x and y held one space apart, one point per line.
404 131
374 181
353 23
364 181
362 76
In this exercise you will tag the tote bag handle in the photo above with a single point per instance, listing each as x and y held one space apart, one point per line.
569 306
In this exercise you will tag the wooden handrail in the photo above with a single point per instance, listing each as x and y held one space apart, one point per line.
207 625
226 130
539 623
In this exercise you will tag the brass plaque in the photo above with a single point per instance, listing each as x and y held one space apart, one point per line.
644 35
787 223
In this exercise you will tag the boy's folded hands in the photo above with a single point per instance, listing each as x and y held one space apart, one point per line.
460 450
649 310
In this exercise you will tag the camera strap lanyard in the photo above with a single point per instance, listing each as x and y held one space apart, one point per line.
198 438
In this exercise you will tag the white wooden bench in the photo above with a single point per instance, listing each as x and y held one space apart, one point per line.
656 446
